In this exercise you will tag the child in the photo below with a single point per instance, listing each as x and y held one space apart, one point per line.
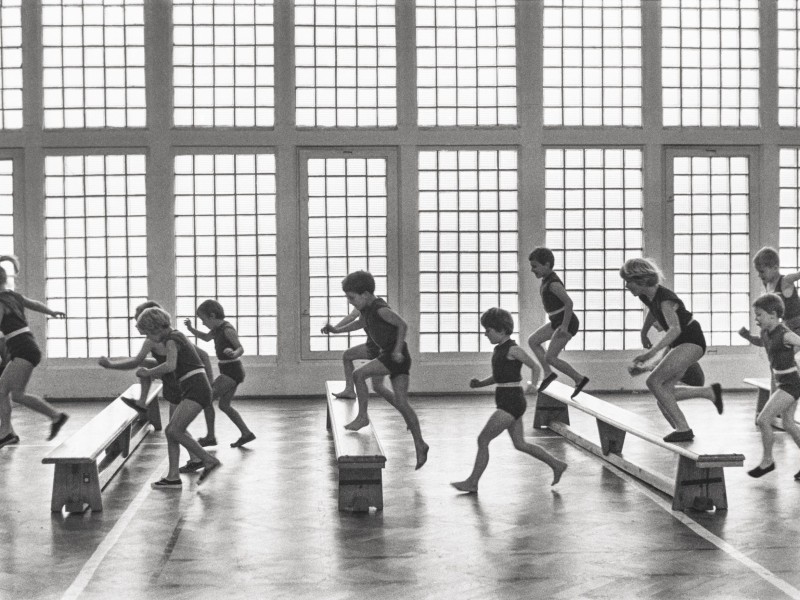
179 366
767 263
683 337
24 355
231 372
366 351
563 323
694 375
781 344
507 362
387 330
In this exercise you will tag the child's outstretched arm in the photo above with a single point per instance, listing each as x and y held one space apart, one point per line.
125 364
561 293
168 366
208 336
349 326
789 281
476 383
753 339
519 353
670 311
791 338
42 308
649 321
391 317
233 338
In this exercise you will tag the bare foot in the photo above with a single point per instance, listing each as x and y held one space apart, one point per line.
357 423
465 486
422 457
345 394
558 472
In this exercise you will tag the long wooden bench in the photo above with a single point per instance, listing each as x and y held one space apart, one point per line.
764 386
699 481
359 455
115 432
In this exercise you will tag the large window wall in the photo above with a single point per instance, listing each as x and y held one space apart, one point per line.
255 151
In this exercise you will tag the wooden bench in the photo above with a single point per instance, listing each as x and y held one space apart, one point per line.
764 386
116 431
699 481
359 455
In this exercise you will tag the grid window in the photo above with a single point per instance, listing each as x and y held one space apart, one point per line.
10 64
466 63
468 259
7 207
347 200
788 62
93 58
345 63
96 253
789 215
712 243
593 218
225 242
592 62
223 63
710 63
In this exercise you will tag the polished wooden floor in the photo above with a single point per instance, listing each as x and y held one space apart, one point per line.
266 525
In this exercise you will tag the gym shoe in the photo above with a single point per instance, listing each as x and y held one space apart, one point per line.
717 389
247 437
11 438
167 484
679 436
758 471
191 466
209 440
56 425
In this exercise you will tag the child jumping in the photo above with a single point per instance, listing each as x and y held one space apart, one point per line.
387 330
781 344
507 362
231 372
366 351
563 325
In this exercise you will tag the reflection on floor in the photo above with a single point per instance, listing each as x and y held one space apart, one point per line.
266 524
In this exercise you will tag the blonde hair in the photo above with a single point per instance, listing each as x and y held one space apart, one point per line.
641 270
153 320
14 261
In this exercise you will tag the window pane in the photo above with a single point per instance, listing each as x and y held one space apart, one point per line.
788 65
7 209
789 216
10 65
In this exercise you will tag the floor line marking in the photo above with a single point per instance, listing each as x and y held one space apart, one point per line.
85 575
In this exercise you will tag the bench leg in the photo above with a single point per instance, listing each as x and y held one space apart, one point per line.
328 418
154 414
548 410
611 438
359 489
76 487
699 488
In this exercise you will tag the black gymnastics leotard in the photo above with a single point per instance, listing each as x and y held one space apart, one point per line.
230 367
384 336
20 342
554 306
781 360
691 332
508 370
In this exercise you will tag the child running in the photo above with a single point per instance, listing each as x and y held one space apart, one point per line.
507 362
23 355
231 373
683 337
767 263
781 343
387 330
563 325
182 371
366 351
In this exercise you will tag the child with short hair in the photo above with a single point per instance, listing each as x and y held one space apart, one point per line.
563 325
231 372
387 330
507 362
781 343
768 265
366 351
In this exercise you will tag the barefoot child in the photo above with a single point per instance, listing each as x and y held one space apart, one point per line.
366 351
231 372
563 323
507 362
781 344
387 330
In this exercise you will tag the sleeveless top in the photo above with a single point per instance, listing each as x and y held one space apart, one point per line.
791 305
663 295
551 302
781 356
221 341
503 369
379 331
14 316
188 359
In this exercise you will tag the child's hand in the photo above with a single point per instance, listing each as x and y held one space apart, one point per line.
397 356
187 322
642 358
745 333
646 343
229 352
636 368
142 372
57 314
474 382
327 328
104 362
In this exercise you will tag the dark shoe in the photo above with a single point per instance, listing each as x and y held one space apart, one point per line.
56 425
796 475
191 466
758 471
579 387
11 438
547 381
717 389
248 437
208 470
679 436
131 403
209 440
167 484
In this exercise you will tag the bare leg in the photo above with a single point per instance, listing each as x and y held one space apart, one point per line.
497 424
779 402
554 348
518 437
662 381
372 369
535 341
177 436
399 399
192 457
13 382
359 352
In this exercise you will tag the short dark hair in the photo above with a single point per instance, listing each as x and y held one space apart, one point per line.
770 303
543 256
498 319
359 282
211 308
767 257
